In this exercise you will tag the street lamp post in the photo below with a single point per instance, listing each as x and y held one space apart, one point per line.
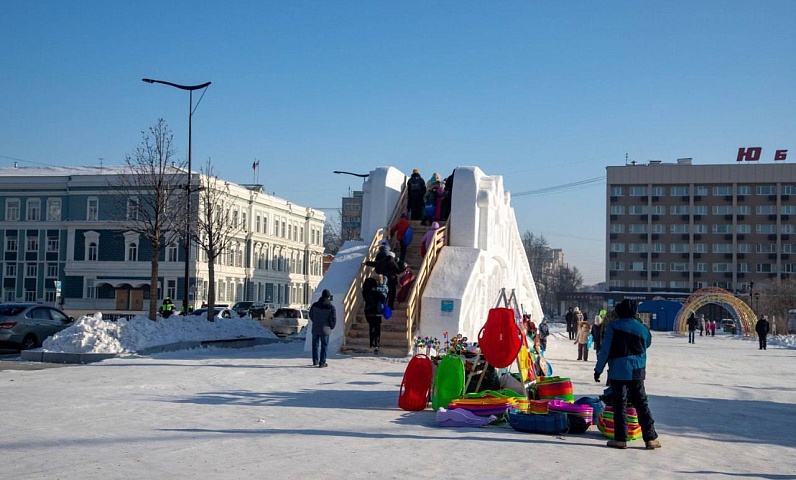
751 295
188 192
757 302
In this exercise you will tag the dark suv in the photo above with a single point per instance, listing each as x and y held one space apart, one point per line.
253 309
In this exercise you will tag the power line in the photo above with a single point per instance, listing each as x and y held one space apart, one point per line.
560 188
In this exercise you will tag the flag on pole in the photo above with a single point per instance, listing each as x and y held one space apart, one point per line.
255 164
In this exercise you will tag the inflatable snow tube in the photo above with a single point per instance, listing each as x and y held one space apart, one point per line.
605 423
551 423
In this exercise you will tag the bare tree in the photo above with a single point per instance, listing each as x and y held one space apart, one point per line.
151 190
216 228
333 238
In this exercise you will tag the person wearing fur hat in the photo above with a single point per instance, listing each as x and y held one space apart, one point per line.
624 351
416 189
582 340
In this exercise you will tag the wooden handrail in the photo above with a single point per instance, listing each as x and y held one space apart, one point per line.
352 302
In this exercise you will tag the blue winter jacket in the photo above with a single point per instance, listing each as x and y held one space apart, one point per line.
624 349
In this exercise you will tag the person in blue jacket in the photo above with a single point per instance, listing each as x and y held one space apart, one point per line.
624 350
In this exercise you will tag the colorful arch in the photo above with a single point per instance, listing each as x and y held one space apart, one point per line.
739 310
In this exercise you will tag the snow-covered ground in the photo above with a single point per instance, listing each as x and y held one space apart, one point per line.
723 409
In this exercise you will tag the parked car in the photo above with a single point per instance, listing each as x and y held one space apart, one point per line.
287 321
26 325
252 309
221 312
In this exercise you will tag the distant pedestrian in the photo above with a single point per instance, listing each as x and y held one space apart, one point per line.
692 323
427 238
324 319
624 351
416 187
544 332
701 324
570 319
762 328
390 268
713 328
597 332
582 340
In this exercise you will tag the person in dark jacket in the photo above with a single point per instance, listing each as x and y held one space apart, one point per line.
416 187
762 328
447 196
570 318
597 333
390 268
544 332
373 295
324 319
624 350
692 324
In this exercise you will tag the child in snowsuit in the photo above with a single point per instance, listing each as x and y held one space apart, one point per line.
582 339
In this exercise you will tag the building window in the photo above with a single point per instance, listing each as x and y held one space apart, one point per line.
766 248
722 248
618 266
766 268
32 244
133 208
765 229
617 247
658 210
700 228
743 210
678 248
52 270
787 228
658 248
11 244
700 248
615 210
700 190
31 269
766 190
171 288
679 228
679 285
257 223
744 248
678 209
658 191
171 254
12 210
637 247
722 190
617 191
52 244
284 227
722 210
788 248
700 267
11 270
92 252
53 209
637 191
637 209
132 252
658 267
658 228
30 295
744 190
743 228
700 209
33 211
722 267
637 228
617 228
743 268
637 266
679 191
789 189
722 228
92 209
766 210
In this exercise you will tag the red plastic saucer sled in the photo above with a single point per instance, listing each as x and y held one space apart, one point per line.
416 385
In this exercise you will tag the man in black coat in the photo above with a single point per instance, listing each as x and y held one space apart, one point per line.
324 319
416 187
390 268
570 318
762 328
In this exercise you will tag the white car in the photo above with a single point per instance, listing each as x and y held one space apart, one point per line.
287 321
220 312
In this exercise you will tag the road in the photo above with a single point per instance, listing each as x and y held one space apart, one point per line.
11 360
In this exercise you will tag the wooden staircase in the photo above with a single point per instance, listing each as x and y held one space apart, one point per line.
395 339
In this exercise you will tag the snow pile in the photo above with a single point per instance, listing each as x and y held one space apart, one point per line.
92 334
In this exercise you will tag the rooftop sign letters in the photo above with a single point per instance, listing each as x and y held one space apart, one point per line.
752 154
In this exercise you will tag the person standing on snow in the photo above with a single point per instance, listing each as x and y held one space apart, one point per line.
597 332
324 319
762 328
582 339
692 323
571 323
624 351
544 332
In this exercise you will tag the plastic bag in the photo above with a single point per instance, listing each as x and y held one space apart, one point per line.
387 313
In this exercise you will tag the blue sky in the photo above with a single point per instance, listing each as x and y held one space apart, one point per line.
543 93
